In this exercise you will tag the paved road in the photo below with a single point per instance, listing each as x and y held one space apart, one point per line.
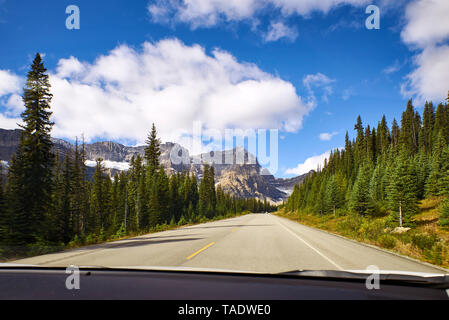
256 242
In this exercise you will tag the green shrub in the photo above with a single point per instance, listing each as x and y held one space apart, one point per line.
121 232
424 241
444 217
371 229
350 225
435 255
387 241
90 239
182 221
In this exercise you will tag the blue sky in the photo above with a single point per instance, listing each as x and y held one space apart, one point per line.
324 66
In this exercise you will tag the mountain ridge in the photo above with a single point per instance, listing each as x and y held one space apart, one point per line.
241 179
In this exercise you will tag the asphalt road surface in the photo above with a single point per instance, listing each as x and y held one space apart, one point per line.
256 242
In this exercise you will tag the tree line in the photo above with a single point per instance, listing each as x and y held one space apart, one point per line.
47 198
383 171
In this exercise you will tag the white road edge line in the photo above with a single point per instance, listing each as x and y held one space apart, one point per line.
309 245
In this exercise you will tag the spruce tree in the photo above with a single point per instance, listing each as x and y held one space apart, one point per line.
333 195
403 189
31 170
152 151
361 201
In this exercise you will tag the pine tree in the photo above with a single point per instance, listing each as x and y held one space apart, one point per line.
333 195
403 191
3 211
395 134
30 176
361 201
62 226
152 151
207 196
444 217
428 126
100 204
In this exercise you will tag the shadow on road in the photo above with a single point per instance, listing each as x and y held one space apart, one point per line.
146 242
231 226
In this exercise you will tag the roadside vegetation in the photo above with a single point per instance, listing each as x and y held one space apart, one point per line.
388 187
428 241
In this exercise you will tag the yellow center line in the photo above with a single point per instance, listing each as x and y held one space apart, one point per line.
201 250
234 229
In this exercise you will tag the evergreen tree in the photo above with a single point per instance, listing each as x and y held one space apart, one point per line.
333 195
361 201
30 176
152 151
3 211
100 204
403 191
207 196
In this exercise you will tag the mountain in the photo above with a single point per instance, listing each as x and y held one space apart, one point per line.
237 171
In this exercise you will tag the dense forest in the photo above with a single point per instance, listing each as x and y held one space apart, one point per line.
383 171
48 201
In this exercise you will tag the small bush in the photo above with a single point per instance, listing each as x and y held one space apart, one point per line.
371 229
424 241
350 224
121 232
444 217
387 241
90 239
435 255
182 221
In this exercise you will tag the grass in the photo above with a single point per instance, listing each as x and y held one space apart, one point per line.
426 241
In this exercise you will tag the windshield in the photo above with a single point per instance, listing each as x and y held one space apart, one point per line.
260 137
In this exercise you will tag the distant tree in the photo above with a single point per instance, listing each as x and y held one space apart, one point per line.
100 204
207 196
152 151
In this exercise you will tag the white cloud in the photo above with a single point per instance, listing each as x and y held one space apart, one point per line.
279 30
311 163
321 82
430 79
327 136
427 28
207 13
9 123
123 92
347 93
427 22
9 83
305 7
69 67
122 166
392 68
10 87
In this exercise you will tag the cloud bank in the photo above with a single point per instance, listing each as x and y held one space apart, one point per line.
123 92
309 164
427 29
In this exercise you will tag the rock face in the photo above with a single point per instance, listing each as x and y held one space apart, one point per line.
236 171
